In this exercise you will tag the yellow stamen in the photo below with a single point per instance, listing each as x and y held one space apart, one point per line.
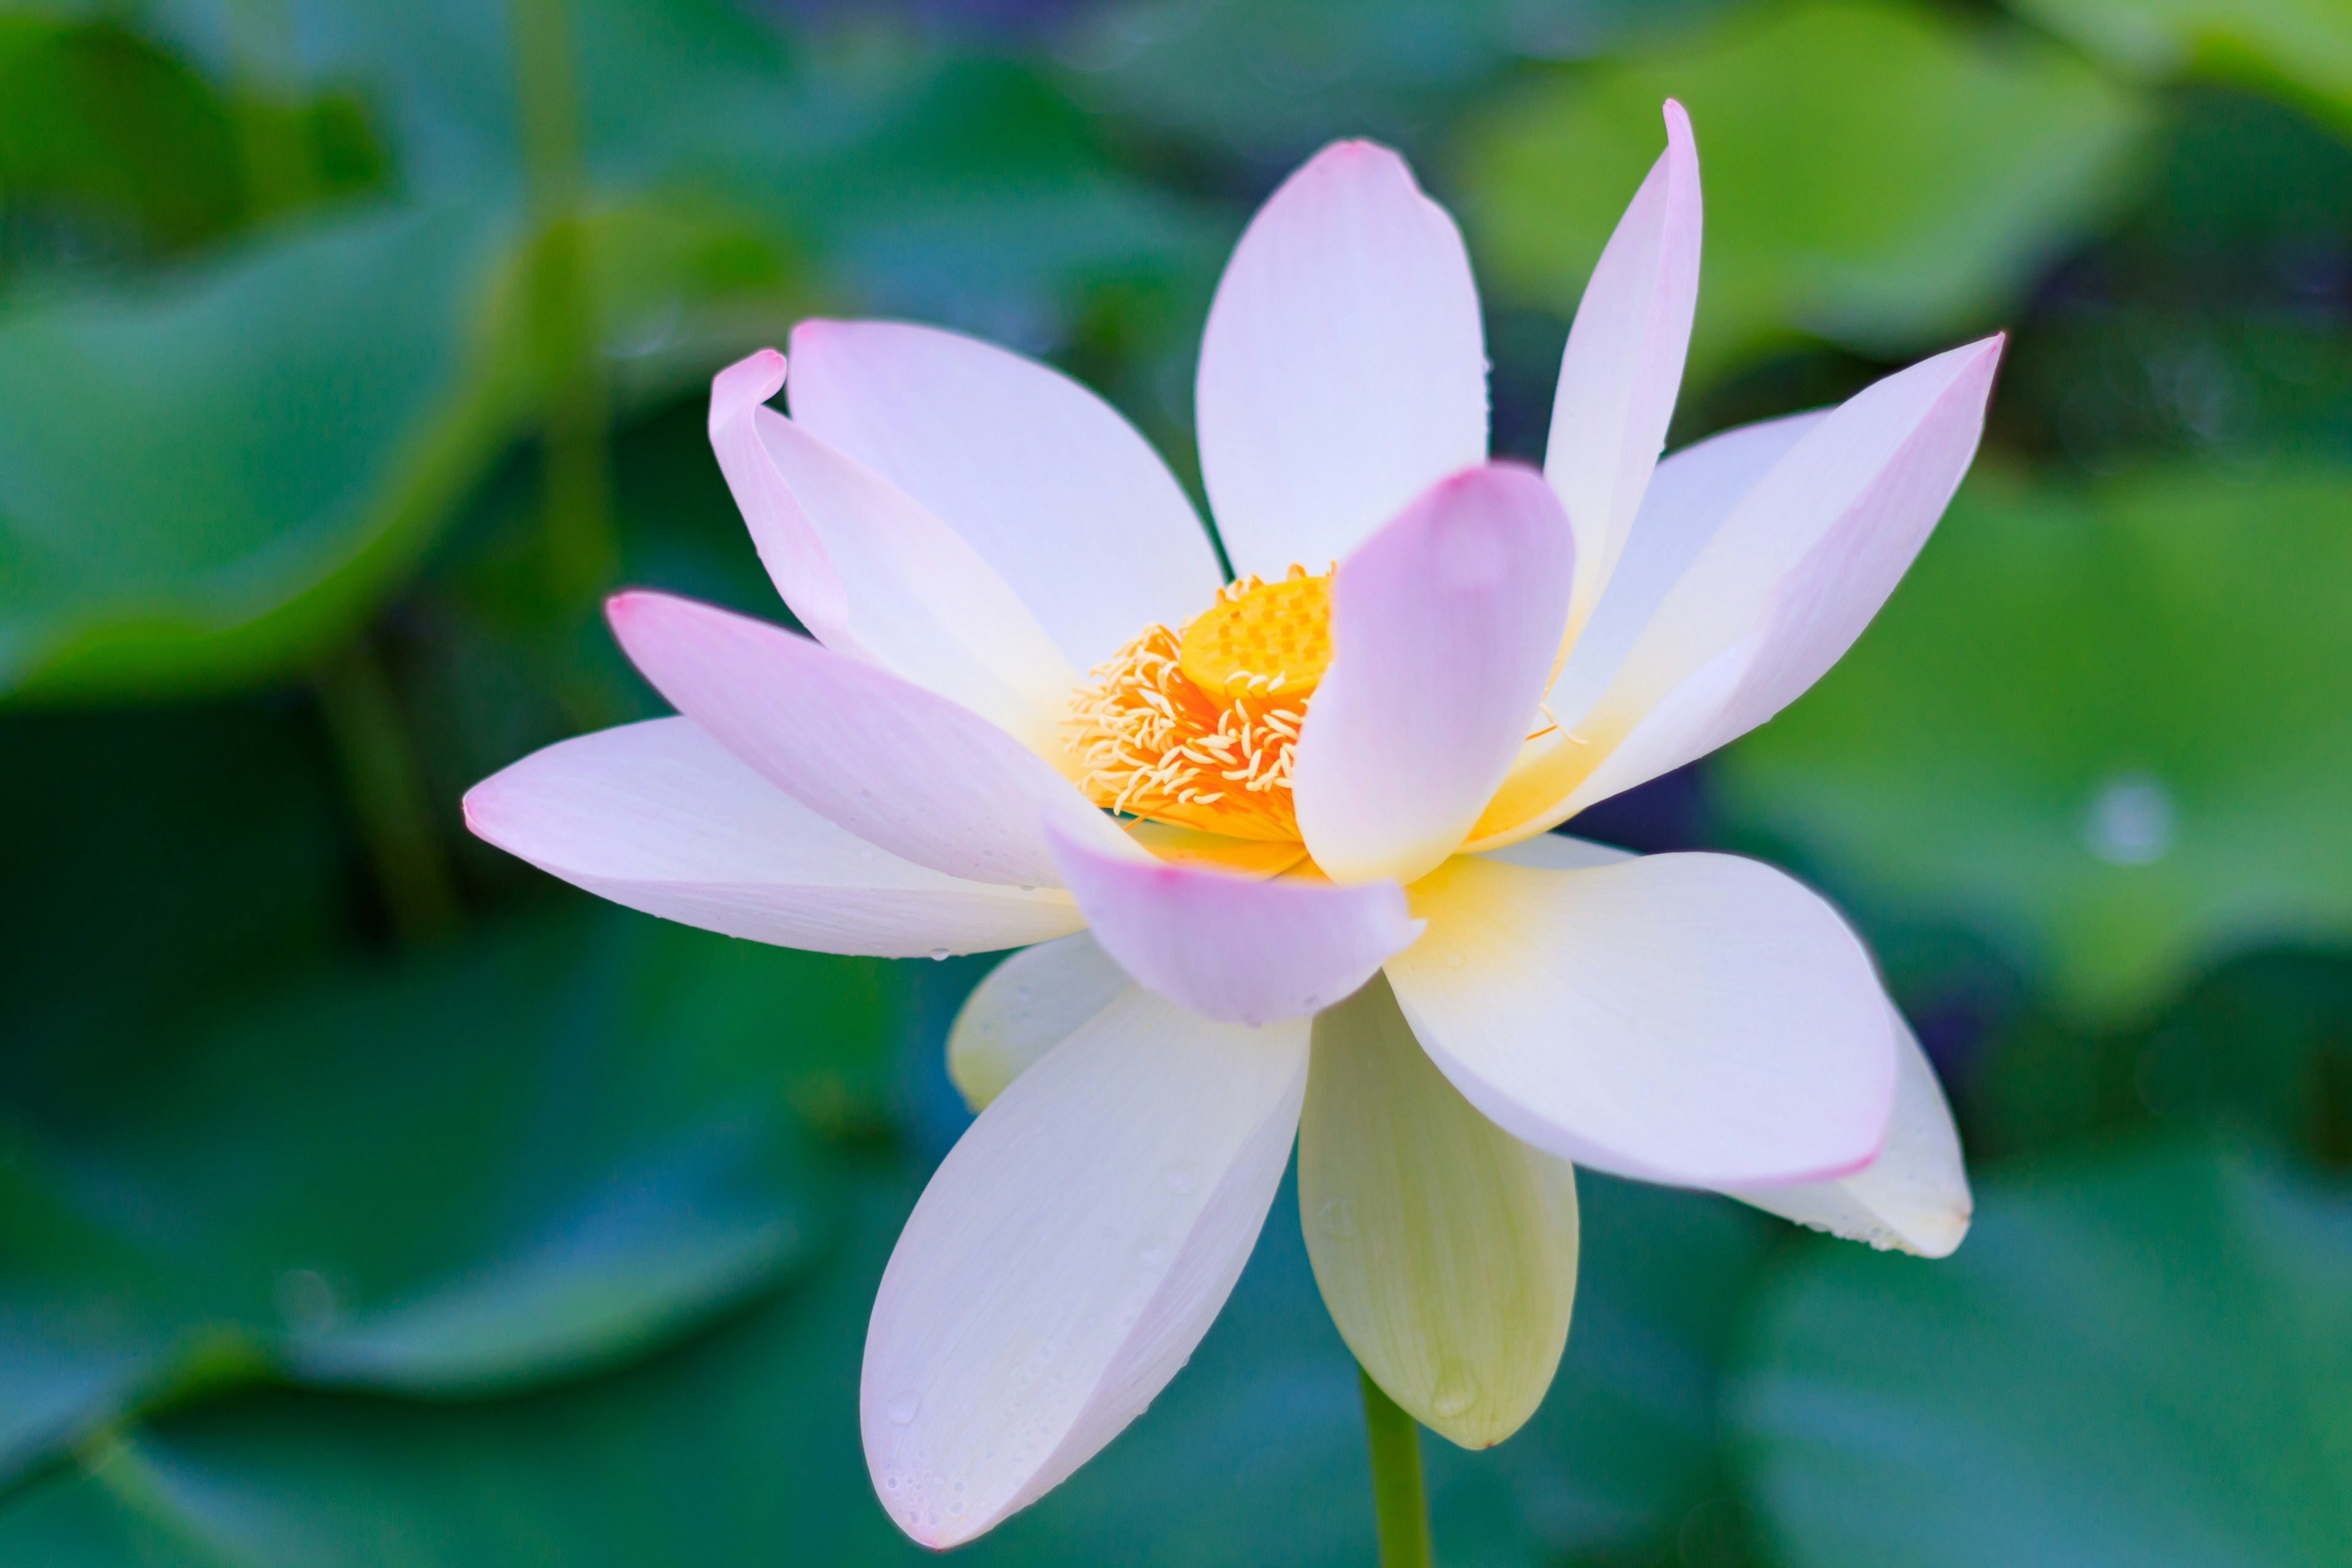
1199 728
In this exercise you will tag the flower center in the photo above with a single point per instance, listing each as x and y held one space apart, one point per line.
1198 728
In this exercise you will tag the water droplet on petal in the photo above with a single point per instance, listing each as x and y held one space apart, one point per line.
1456 1390
902 1406
1336 1218
1155 1251
940 953
1181 1176
1021 993
1453 961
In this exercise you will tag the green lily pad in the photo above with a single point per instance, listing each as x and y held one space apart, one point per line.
2142 1358
205 482
1883 175
2105 728
741 1446
2304 46
524 1161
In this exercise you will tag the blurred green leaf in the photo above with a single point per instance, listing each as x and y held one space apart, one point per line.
1259 1441
2138 1359
207 482
116 140
532 1156
2105 728
1880 174
159 864
2305 45
1270 80
2261 1046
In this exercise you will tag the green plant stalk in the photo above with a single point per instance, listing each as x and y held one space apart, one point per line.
387 792
1400 1505
582 546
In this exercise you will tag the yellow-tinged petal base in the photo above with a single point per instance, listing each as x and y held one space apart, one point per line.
1446 1248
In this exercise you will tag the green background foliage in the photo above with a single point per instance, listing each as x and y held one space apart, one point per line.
368 1198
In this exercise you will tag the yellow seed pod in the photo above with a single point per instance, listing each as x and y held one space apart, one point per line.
1262 640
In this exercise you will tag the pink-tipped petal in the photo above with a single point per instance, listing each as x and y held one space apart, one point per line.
1697 1019
1344 368
1443 625
1046 479
874 575
1777 594
900 767
661 818
1624 362
1068 1255
1914 1197
1235 948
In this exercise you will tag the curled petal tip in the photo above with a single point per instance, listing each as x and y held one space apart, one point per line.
744 385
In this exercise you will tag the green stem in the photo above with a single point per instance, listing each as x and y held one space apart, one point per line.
582 548
1400 1507
365 721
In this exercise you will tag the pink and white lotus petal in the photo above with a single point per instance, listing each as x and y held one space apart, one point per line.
1914 1197
1028 1005
1695 1019
660 817
1443 625
1068 1255
1045 479
1780 591
1624 362
874 575
1687 500
898 766
1234 948
1344 368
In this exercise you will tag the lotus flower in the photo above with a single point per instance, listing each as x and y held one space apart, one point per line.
1281 864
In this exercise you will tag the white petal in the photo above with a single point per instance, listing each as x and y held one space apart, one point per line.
1028 1005
1697 1019
1046 479
1687 499
1777 594
1624 362
663 818
874 575
1344 368
1444 625
1558 852
905 770
1068 1255
1245 949
1444 1247
1915 1196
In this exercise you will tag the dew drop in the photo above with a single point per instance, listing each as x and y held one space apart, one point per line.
940 953
903 1406
1181 1176
1336 1218
1456 1390
2132 821
1021 993
1453 961
1154 1251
